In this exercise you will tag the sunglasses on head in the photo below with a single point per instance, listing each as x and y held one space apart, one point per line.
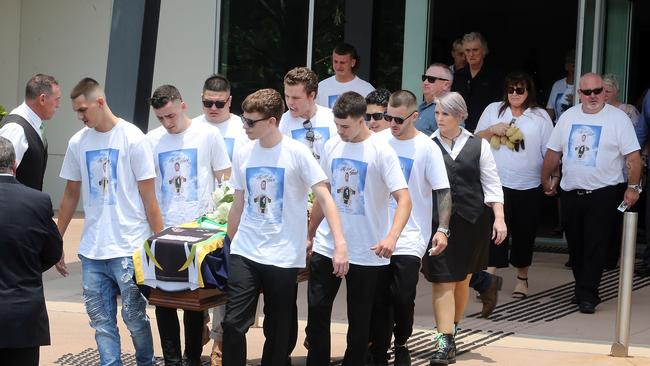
432 79
309 135
516 90
588 92
217 103
375 116
159 102
398 120
250 122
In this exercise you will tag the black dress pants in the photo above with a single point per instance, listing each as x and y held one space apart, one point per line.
170 338
246 279
19 356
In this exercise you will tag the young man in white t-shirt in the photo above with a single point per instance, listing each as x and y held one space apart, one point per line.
364 172
345 61
190 155
216 100
305 121
424 170
268 241
109 162
595 142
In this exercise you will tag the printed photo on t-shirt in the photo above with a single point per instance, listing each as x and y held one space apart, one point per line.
331 100
179 176
102 176
348 184
230 144
265 186
583 145
405 165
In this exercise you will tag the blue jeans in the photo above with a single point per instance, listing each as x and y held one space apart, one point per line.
101 281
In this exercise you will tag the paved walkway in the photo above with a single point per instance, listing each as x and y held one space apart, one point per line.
544 329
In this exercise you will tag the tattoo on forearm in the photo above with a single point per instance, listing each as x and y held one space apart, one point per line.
444 207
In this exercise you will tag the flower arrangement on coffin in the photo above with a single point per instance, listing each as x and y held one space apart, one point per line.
310 204
223 198
3 112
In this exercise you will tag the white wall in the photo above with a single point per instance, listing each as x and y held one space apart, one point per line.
9 56
185 50
67 39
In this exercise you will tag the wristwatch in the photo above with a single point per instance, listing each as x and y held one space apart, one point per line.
444 231
636 187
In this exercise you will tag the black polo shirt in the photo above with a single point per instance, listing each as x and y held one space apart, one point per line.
484 88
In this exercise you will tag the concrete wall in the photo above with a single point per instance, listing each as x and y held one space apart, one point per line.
185 52
9 56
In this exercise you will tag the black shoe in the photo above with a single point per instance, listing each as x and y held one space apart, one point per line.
171 352
568 264
642 270
587 307
490 296
402 356
445 353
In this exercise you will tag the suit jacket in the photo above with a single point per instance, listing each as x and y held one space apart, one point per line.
30 244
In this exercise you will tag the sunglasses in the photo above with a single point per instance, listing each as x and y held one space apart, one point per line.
432 79
375 116
588 92
159 102
217 103
250 122
309 135
398 120
517 90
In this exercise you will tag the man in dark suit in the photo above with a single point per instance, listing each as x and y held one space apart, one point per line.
30 243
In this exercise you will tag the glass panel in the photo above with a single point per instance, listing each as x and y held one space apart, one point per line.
260 41
387 44
329 21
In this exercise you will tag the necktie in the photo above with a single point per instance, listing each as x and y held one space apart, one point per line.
43 135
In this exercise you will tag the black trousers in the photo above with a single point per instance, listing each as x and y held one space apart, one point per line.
361 282
523 209
19 356
402 279
587 218
246 279
170 338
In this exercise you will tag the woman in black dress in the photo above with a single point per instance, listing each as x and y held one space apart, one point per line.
475 187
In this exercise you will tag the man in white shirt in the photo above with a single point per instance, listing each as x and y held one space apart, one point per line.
121 212
25 129
595 142
216 100
304 120
194 155
561 97
345 61
373 172
424 170
268 246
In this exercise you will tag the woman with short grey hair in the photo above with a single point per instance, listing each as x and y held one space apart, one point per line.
611 88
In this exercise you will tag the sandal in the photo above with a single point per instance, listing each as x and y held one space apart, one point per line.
215 358
521 288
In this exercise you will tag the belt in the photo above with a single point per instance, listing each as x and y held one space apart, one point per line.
582 192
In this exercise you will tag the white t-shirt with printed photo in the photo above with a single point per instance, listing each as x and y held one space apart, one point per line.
593 147
558 99
362 176
520 169
423 166
276 182
330 89
322 124
184 170
232 131
109 166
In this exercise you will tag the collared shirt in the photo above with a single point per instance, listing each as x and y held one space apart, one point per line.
426 122
478 91
15 133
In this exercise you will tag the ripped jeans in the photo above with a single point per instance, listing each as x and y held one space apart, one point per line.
102 280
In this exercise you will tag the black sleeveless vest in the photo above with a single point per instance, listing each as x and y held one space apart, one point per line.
464 175
31 170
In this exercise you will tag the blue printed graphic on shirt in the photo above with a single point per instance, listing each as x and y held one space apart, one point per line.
331 100
265 187
321 135
179 182
583 145
348 184
230 144
102 176
406 165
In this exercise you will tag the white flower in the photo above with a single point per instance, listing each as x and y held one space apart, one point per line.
222 212
217 195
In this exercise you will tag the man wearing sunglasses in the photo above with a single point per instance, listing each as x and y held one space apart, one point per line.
596 142
361 161
424 169
435 82
345 61
376 102
216 100
305 120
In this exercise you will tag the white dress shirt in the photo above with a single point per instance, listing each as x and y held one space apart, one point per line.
15 133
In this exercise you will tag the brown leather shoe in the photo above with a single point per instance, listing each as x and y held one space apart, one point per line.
215 358
490 296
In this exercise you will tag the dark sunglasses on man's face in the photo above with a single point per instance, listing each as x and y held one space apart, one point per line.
250 122
398 120
375 116
588 92
517 90
432 79
217 103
